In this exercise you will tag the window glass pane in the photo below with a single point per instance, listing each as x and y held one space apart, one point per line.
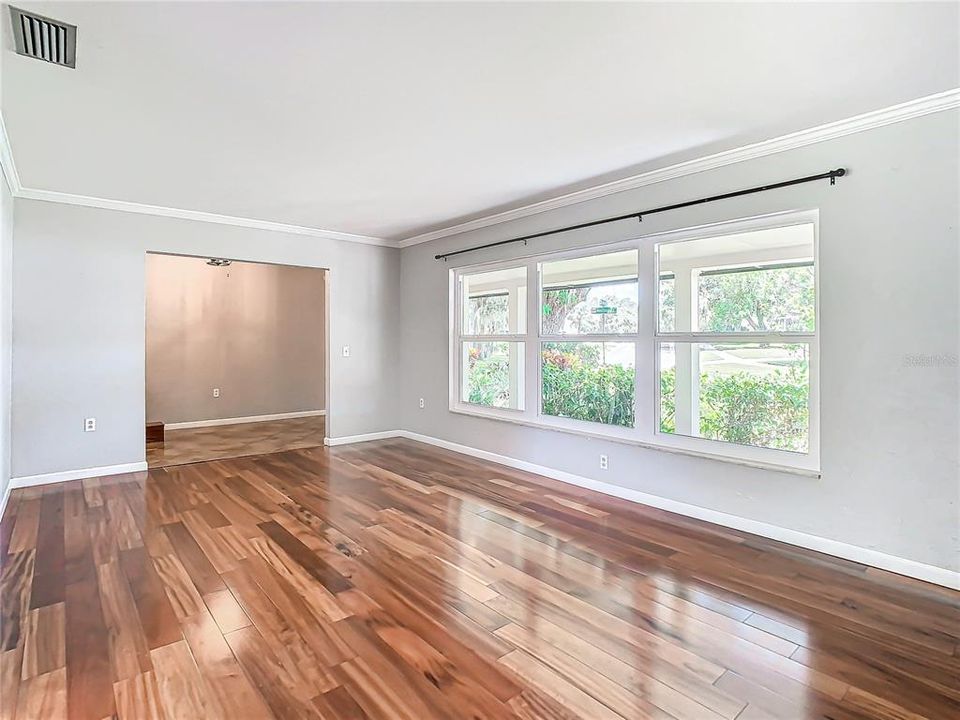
760 281
589 381
744 393
494 303
590 295
667 302
493 374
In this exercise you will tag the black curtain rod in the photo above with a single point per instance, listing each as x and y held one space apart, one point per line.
832 175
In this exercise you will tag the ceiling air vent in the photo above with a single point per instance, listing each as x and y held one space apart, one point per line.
43 38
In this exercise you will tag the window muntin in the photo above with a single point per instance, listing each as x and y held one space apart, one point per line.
754 394
664 301
588 381
590 295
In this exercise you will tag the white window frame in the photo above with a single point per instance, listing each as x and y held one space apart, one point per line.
458 338
647 339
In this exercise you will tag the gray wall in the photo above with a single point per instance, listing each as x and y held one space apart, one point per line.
889 289
6 329
252 330
79 280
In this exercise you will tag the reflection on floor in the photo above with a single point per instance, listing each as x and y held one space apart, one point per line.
229 441
391 579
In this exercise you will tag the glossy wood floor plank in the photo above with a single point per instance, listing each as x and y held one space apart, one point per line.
391 580
192 445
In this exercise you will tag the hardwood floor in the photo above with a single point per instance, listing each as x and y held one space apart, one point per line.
394 580
229 441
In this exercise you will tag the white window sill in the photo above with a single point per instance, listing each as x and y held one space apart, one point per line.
617 438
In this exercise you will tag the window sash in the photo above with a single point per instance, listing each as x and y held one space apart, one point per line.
750 225
463 369
811 380
577 254
458 305
576 422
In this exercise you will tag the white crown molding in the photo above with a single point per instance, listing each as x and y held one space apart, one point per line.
197 215
7 164
18 190
859 123
242 420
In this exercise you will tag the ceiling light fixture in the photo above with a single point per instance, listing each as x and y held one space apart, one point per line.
219 262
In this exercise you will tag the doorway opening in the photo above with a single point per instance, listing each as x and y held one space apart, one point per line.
236 358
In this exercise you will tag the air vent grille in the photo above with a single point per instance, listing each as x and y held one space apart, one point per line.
43 38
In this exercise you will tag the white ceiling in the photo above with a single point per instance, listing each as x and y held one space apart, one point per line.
392 119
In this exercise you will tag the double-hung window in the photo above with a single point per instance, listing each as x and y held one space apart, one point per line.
701 341
736 343
492 321
588 339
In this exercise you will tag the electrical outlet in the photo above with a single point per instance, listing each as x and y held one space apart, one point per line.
603 462
89 424
216 392
422 405
346 351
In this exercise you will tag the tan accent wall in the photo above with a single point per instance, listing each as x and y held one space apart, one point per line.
255 331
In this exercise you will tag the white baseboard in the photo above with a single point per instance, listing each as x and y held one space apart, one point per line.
865 556
4 498
240 420
58 477
366 437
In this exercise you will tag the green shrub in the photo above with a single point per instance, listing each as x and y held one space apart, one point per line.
580 390
488 379
769 411
668 400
